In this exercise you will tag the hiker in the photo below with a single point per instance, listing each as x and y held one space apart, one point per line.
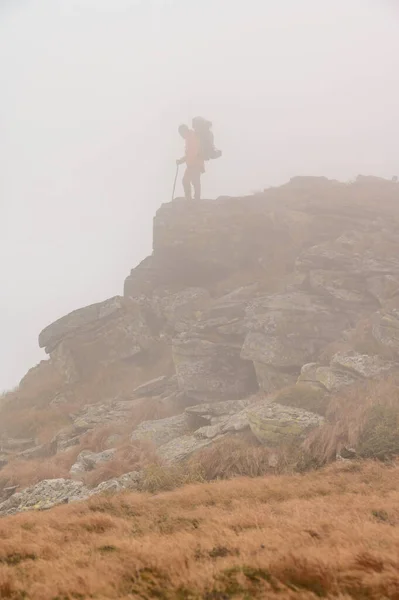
194 163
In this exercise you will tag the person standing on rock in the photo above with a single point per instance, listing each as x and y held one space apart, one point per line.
194 160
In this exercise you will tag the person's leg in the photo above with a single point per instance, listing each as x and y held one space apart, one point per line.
187 183
196 180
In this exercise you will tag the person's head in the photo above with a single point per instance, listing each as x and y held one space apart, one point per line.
184 131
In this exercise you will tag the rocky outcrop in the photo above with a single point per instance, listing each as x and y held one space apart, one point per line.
93 337
129 481
263 308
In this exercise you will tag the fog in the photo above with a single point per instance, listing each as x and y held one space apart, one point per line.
93 91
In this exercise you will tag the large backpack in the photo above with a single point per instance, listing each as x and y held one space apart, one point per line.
203 129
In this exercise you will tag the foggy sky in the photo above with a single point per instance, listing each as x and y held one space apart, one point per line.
92 92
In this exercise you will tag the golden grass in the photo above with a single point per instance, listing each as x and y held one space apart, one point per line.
134 456
351 414
331 534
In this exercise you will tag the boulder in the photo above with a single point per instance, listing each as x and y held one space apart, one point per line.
161 431
287 352
87 461
79 346
333 379
298 313
230 424
44 495
286 331
362 364
274 424
128 481
212 413
212 370
181 448
54 333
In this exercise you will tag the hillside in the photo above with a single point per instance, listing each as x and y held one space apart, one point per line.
259 338
328 534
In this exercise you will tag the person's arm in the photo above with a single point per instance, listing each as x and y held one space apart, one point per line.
181 161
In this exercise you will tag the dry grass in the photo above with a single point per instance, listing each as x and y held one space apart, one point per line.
364 416
135 456
23 473
233 457
129 456
331 534
26 411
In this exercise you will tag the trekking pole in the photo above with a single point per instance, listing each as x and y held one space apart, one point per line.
174 183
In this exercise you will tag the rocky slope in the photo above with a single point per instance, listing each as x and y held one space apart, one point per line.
250 317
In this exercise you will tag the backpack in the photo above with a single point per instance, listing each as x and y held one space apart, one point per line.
202 128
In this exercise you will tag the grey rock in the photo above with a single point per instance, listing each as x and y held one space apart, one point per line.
115 411
210 413
274 424
347 254
214 370
44 495
287 352
185 305
161 431
230 424
363 364
128 481
309 372
334 379
87 461
122 335
295 313
181 448
82 317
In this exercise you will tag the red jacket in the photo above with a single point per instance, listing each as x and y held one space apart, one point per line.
193 151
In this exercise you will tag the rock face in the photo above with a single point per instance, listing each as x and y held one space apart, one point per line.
265 306
212 370
93 337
